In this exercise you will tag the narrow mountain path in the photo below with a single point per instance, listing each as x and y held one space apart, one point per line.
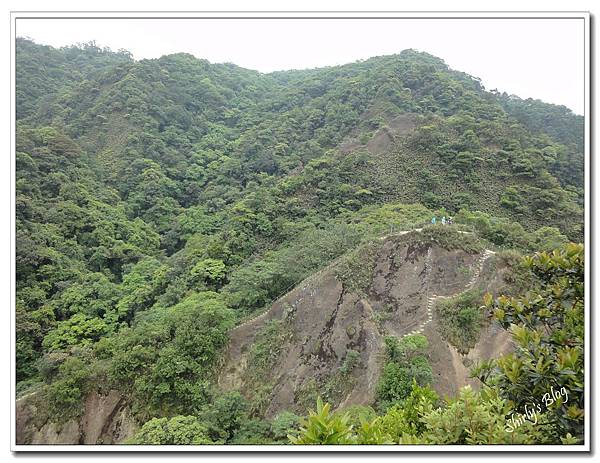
431 300
243 335
23 397
311 278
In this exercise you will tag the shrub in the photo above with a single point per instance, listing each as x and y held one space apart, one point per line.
461 319
547 326
65 395
284 424
405 365
226 416
321 427
179 430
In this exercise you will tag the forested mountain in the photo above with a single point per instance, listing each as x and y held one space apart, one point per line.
160 203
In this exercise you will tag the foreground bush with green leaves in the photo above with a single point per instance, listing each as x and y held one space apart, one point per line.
474 418
547 327
544 373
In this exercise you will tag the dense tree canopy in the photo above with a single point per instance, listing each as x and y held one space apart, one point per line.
159 202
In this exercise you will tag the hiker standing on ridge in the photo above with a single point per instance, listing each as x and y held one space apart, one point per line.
433 220
444 220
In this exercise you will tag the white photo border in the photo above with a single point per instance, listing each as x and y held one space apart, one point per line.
585 16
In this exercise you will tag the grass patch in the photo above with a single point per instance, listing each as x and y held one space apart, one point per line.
355 271
264 354
449 238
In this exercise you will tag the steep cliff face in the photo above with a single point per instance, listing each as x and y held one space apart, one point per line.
343 313
105 420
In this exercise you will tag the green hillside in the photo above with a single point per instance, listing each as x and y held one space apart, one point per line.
161 202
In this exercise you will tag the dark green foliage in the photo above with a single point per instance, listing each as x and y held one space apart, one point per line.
66 393
167 357
227 416
461 319
559 123
253 431
261 281
160 201
511 235
283 424
62 68
394 384
141 285
179 430
406 364
547 324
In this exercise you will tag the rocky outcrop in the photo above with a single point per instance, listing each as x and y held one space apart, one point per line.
106 420
327 318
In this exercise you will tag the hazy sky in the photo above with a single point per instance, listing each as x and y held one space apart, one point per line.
537 58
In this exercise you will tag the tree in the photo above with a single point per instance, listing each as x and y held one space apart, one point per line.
79 330
141 285
155 198
211 271
547 326
65 394
226 416
406 364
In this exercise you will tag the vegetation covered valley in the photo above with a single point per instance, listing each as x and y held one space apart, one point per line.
190 233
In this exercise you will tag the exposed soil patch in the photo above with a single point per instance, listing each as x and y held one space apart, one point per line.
384 138
106 420
328 320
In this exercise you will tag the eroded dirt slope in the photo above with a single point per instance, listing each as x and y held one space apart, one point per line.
326 317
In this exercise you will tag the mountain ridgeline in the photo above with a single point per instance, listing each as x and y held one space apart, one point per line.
162 203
